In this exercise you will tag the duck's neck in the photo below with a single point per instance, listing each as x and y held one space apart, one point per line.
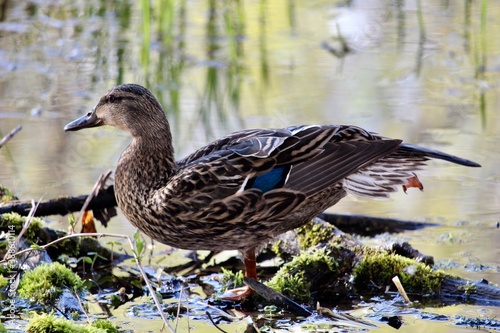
145 166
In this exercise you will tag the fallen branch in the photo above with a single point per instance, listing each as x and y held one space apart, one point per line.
369 225
9 136
64 205
276 297
461 290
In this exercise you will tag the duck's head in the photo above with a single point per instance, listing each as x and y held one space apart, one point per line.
129 107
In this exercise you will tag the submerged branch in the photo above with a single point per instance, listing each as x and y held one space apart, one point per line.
454 290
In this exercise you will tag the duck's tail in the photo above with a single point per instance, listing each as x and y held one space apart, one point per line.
426 152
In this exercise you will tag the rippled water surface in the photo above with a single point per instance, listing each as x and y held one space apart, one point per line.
428 75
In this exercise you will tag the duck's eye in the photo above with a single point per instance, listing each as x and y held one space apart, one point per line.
111 98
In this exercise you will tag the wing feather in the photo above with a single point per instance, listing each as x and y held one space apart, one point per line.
337 161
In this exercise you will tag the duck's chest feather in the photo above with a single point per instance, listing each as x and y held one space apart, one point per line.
241 221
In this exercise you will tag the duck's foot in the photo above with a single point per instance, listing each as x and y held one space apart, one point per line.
413 182
237 294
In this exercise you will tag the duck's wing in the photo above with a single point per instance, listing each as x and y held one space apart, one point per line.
232 164
305 159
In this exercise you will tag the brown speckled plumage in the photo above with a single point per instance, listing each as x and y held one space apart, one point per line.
218 197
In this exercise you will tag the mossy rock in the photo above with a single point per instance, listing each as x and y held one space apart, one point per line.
299 277
379 267
314 233
37 233
49 323
46 282
13 223
328 267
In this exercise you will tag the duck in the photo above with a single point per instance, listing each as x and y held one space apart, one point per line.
244 189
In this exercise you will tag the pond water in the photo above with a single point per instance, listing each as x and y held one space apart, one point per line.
427 72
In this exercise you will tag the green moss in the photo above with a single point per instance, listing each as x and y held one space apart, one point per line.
468 288
13 222
276 248
2 328
48 323
105 325
6 195
4 278
3 281
295 278
379 267
230 279
46 282
314 233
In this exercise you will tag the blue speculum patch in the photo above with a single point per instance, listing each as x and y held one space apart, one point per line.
275 178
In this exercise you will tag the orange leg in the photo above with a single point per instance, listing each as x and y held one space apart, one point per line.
239 294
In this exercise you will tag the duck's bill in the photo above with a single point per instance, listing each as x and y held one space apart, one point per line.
86 121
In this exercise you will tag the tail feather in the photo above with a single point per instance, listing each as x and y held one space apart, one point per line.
413 150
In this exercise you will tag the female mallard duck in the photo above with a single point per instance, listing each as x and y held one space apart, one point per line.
244 189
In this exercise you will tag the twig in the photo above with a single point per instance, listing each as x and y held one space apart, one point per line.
219 311
43 247
59 310
97 187
82 307
401 289
137 260
179 309
151 290
213 322
34 206
346 318
9 136
187 311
